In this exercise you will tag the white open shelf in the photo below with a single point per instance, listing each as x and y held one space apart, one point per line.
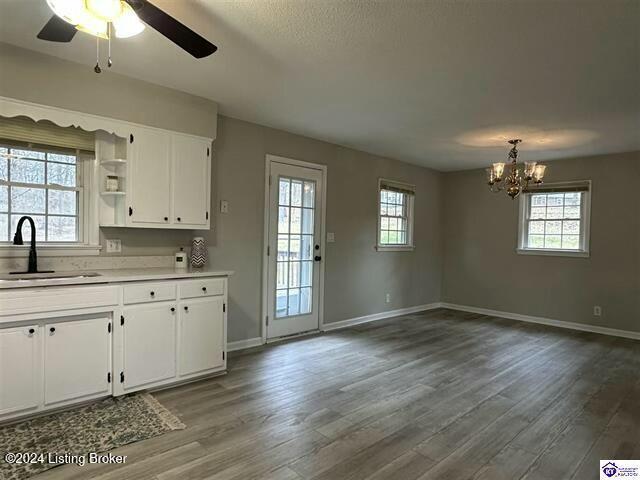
114 161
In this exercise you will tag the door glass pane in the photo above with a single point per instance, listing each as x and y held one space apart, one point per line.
296 193
308 195
294 301
296 231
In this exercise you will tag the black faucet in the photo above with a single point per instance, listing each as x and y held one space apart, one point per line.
17 240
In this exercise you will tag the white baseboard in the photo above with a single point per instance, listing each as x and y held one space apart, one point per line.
242 344
544 321
378 316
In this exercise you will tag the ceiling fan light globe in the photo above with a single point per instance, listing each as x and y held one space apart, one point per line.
107 10
71 11
127 24
93 26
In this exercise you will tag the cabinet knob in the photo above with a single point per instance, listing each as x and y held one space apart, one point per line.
152 293
173 309
186 309
204 289
179 219
31 331
166 219
52 329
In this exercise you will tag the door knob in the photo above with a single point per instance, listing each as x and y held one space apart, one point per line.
317 258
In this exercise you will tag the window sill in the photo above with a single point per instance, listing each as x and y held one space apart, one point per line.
59 250
553 253
395 248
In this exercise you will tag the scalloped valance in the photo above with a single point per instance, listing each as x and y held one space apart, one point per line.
11 107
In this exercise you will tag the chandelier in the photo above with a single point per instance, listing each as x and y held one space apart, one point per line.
514 182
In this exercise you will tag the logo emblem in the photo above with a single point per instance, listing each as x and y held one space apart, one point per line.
610 469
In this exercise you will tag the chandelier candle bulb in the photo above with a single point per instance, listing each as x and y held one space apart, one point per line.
538 173
498 170
529 169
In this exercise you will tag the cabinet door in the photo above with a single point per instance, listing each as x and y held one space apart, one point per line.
191 181
19 368
149 349
77 359
201 335
149 179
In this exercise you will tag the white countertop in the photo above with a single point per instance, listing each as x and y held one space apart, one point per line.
106 276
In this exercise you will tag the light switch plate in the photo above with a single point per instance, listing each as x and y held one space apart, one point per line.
331 237
224 206
114 246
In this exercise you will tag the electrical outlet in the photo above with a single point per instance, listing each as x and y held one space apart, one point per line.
114 246
331 237
597 311
388 298
224 206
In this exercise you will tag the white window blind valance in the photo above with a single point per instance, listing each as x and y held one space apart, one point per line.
44 132
581 186
398 187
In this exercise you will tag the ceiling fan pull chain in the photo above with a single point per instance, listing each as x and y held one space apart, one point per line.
109 62
97 68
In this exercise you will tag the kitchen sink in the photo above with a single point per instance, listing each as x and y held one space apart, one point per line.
16 277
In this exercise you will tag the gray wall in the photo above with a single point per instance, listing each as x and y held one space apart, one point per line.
357 277
482 268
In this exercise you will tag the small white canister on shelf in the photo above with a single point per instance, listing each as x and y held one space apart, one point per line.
112 183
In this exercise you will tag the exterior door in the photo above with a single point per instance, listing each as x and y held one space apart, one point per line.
294 253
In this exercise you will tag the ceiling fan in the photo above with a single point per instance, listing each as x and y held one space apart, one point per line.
126 17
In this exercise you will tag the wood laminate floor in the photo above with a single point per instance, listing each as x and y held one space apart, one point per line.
436 395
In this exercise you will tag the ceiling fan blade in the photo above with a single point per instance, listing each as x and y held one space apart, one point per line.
57 30
171 28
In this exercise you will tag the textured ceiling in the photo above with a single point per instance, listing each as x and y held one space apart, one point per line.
436 83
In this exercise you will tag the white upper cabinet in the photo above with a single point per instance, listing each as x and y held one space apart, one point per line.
168 184
191 179
149 182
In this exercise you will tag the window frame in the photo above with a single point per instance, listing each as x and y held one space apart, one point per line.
585 221
87 243
410 210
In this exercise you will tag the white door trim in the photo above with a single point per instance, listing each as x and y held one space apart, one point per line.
265 243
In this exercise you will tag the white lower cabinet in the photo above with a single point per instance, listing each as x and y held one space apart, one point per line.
201 326
77 359
149 345
153 334
20 371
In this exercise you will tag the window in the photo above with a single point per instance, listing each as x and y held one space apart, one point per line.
554 220
46 184
395 215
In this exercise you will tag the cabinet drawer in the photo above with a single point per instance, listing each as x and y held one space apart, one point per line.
149 292
49 299
201 288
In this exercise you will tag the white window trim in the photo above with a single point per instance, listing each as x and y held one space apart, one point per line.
89 231
585 217
410 246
